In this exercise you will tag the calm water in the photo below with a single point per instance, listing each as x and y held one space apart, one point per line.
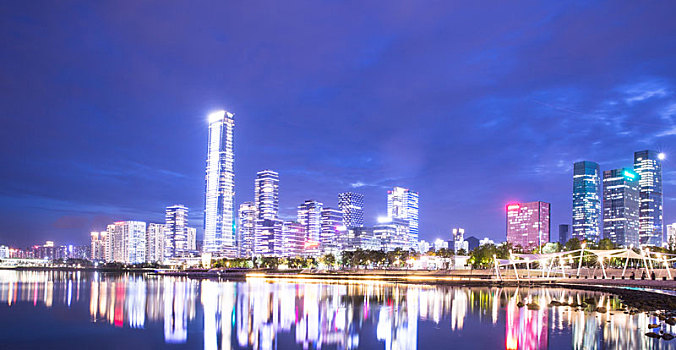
60 310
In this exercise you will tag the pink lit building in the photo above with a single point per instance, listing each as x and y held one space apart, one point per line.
528 224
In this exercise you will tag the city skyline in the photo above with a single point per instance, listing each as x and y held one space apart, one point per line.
469 127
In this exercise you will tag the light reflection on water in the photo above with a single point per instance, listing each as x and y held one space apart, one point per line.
261 314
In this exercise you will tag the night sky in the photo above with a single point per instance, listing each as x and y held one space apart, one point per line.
103 105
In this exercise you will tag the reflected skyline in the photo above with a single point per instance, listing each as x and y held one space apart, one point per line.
272 314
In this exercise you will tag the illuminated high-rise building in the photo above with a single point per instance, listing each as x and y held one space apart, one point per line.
246 229
621 206
127 242
352 206
586 201
156 237
458 236
332 232
98 245
364 238
402 203
528 224
310 217
268 237
292 240
648 165
266 195
393 234
219 207
671 235
176 219
192 239
268 228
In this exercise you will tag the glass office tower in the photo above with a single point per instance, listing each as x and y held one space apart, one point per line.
586 201
402 203
651 224
266 195
310 217
246 229
352 206
219 206
621 207
176 220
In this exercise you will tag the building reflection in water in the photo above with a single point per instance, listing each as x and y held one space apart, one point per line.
258 313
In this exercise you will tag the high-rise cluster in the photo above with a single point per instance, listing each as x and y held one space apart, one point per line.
632 202
135 242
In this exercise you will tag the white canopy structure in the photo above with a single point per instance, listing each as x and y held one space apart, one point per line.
549 263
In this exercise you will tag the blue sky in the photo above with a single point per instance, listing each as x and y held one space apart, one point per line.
103 105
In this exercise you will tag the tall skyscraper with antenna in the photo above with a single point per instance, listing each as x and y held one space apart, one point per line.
219 208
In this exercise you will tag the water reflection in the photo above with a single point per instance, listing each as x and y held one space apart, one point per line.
262 314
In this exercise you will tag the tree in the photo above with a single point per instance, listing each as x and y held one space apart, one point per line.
606 244
503 250
328 260
572 244
444 253
346 258
482 256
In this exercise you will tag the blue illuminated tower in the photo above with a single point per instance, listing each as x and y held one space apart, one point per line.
648 165
586 201
621 206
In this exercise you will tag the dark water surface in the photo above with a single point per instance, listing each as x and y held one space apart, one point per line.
91 310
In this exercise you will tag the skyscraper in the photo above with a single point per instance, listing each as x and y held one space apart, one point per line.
268 227
352 206
156 237
266 194
292 240
310 217
268 240
393 234
127 242
246 229
332 231
176 220
98 245
458 236
621 206
528 224
192 239
651 225
564 233
219 207
671 235
586 201
402 203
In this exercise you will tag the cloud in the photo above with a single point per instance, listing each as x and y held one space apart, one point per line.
668 132
644 91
